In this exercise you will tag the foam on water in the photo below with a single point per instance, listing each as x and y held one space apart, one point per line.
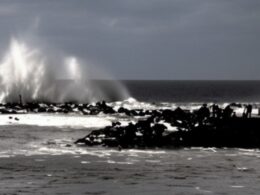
132 103
45 137
48 120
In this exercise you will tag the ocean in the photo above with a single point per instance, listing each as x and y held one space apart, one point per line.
37 154
194 91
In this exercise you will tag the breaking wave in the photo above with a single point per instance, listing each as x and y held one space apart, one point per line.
26 71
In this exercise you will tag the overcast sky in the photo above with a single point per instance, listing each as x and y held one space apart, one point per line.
147 39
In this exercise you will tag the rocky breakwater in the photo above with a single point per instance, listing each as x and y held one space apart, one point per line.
69 107
205 127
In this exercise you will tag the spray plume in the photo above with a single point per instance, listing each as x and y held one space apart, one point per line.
26 71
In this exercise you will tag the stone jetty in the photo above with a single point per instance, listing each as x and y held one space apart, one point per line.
214 127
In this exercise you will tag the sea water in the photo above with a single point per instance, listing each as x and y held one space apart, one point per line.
37 154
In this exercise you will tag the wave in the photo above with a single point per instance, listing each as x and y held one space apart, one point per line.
30 73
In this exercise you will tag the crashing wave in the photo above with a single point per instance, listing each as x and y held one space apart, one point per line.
28 72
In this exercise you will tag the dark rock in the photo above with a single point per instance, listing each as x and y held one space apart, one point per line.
201 128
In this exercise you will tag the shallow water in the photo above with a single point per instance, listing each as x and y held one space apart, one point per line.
185 171
42 160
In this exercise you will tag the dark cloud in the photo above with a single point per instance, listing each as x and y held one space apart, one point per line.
147 39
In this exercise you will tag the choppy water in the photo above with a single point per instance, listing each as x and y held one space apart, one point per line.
37 155
42 160
185 171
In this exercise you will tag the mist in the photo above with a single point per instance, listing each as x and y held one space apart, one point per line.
51 76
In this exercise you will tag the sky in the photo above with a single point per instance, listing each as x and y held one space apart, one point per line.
146 39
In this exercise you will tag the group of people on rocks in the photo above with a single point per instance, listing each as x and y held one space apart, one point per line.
151 131
227 112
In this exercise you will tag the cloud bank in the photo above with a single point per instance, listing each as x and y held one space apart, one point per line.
147 39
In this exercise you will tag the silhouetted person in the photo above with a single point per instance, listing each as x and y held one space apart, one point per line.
203 113
20 99
216 111
248 111
227 113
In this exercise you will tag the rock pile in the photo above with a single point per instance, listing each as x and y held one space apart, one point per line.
202 128
69 107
